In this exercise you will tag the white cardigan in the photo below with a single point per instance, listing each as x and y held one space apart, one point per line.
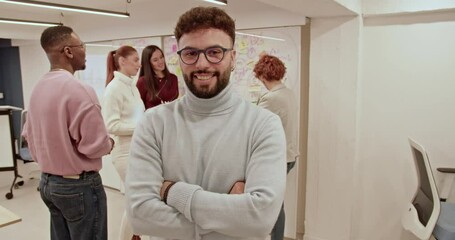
122 105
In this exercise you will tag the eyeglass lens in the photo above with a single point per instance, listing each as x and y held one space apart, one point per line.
213 54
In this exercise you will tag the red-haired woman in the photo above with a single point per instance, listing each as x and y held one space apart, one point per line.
280 100
122 108
156 84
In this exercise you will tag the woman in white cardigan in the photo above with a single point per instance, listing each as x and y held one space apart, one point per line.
122 109
122 104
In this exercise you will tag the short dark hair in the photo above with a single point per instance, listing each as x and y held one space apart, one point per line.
204 18
53 36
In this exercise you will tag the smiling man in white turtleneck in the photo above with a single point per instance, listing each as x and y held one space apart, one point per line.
209 165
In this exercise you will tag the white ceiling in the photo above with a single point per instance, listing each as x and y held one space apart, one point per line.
158 17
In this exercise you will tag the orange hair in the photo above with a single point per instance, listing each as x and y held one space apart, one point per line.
269 67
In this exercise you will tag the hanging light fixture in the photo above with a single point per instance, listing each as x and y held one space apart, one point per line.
219 2
29 22
66 7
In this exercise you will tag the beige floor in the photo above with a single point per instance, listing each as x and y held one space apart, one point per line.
27 204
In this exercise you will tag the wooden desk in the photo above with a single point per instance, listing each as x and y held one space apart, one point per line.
7 217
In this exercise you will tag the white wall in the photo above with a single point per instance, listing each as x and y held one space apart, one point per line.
370 88
407 90
332 127
34 65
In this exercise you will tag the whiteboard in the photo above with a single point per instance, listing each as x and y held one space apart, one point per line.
6 154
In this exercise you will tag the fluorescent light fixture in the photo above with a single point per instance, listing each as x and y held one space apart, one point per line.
27 22
259 36
254 35
219 2
100 45
66 7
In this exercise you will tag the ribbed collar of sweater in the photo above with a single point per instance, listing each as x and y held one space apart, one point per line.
218 105
123 78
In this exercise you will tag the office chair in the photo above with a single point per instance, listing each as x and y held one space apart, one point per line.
23 150
426 216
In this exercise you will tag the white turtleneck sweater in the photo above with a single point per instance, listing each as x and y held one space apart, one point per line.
206 145
122 105
122 109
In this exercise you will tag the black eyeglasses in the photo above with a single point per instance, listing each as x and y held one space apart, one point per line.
190 56
82 45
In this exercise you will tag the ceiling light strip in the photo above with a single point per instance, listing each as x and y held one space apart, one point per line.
27 22
67 7
219 2
101 45
259 36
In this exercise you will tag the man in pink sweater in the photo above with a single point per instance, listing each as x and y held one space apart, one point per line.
67 138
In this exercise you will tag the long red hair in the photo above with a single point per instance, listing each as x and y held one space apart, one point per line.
112 60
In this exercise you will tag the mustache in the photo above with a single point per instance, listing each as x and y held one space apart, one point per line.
215 73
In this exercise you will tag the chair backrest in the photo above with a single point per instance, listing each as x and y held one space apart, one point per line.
22 141
422 214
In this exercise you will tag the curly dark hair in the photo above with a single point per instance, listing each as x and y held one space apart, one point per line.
54 36
203 18
269 67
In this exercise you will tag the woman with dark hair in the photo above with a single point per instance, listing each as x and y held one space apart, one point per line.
122 109
280 100
156 84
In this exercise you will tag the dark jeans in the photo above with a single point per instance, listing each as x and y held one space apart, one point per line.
78 207
278 229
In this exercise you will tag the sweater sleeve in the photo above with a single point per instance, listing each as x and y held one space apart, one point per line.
112 110
88 131
147 213
253 213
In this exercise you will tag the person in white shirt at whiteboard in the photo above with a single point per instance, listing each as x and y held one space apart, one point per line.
122 109
280 100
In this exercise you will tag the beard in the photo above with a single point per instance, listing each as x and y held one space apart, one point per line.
222 80
79 65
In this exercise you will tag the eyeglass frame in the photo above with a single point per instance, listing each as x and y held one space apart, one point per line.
199 51
82 45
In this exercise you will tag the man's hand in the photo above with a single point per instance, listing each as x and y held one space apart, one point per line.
164 187
238 188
